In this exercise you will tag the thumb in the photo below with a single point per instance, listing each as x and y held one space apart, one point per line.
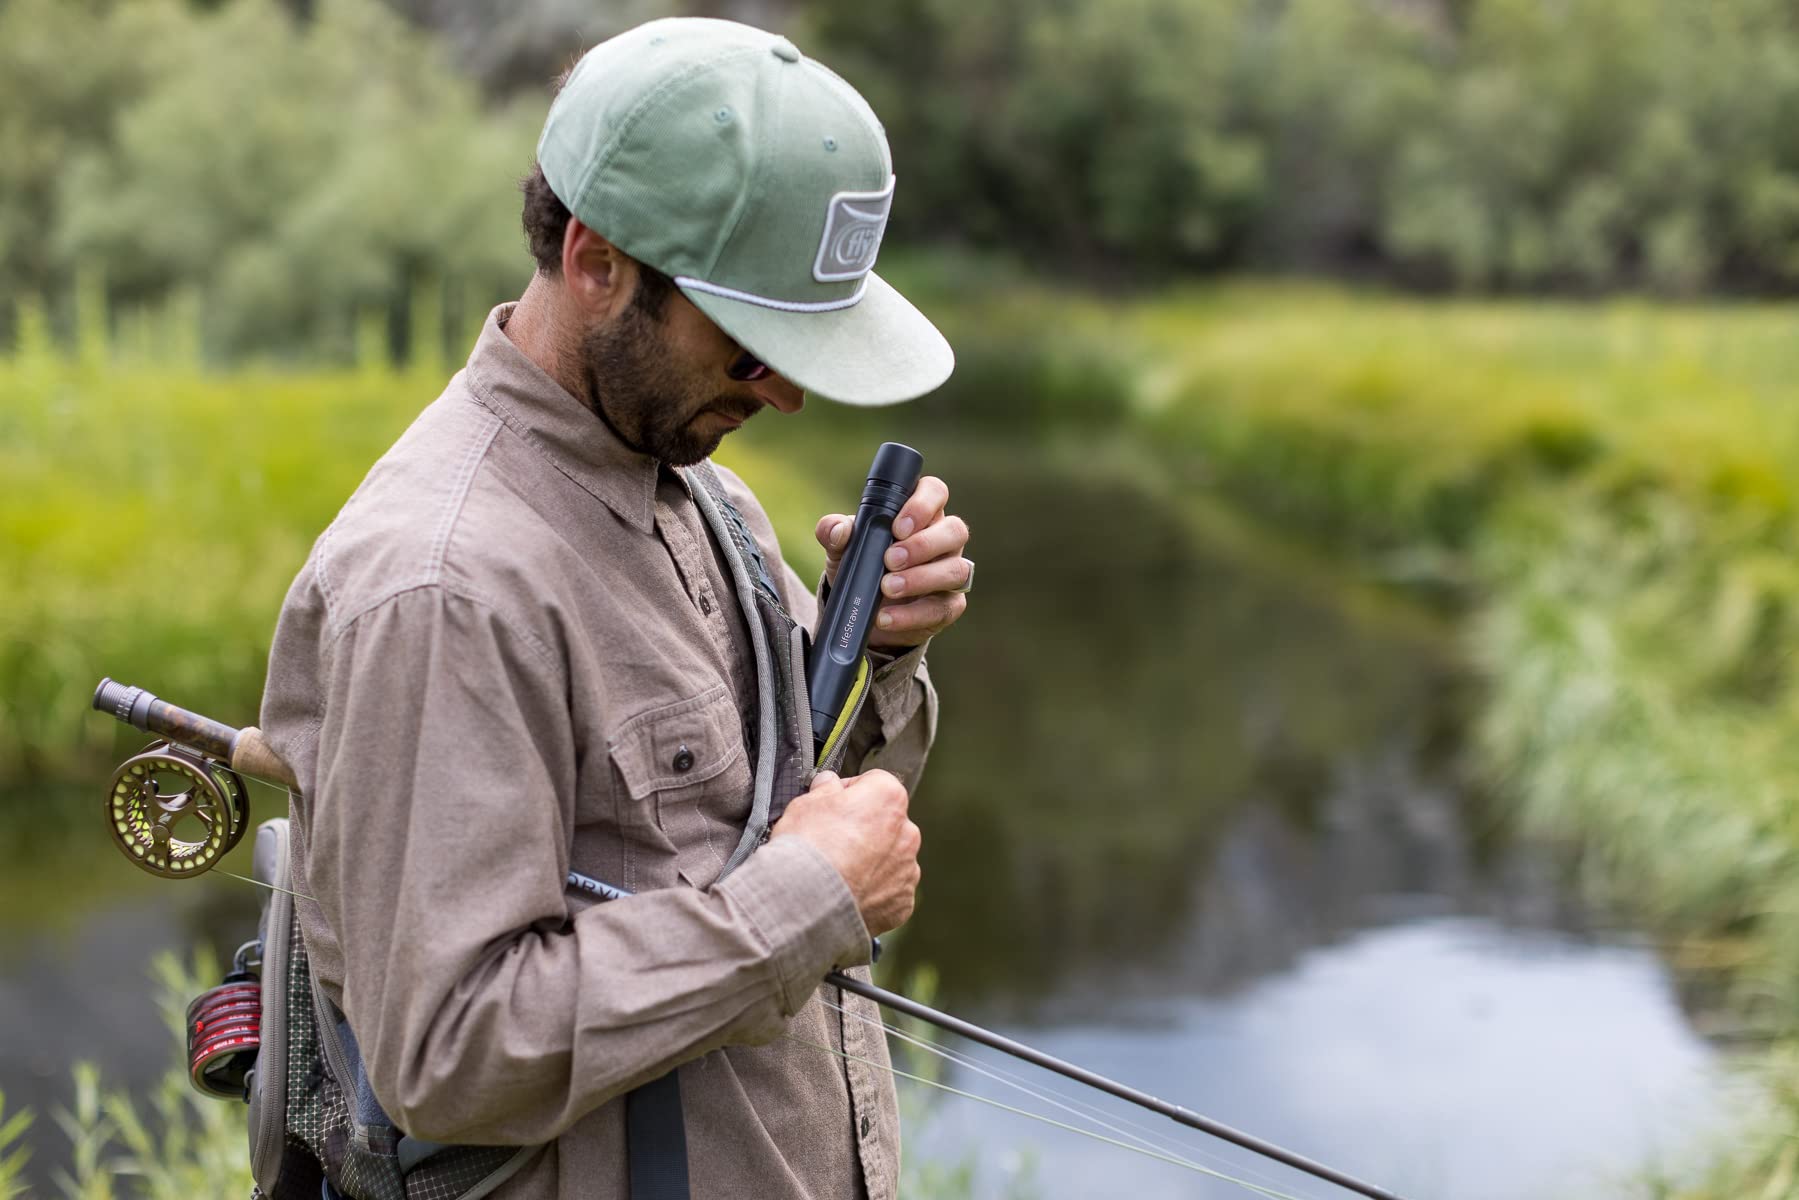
833 533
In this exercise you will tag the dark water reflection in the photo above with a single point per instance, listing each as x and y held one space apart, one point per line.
1125 703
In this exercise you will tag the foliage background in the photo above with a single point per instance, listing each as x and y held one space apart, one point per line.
299 163
290 166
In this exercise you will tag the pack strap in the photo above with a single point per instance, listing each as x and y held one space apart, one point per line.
737 530
656 1140
714 506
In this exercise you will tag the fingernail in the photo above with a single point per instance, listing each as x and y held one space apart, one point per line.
896 558
902 527
885 620
824 777
841 534
893 585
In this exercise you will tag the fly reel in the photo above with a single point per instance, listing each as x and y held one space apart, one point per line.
174 812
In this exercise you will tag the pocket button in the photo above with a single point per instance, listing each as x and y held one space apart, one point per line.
683 759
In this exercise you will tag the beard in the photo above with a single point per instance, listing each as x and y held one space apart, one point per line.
639 389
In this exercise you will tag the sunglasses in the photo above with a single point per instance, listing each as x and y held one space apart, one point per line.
747 368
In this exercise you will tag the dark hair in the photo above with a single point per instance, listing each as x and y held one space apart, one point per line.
545 220
546 224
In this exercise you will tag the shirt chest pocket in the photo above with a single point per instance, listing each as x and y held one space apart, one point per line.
687 777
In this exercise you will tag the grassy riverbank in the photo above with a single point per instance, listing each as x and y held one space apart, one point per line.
156 514
1607 493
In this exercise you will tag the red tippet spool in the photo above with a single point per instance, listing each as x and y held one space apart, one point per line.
227 1026
213 999
214 1014
223 1036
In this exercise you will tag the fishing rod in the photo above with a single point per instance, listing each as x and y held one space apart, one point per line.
1049 1062
203 759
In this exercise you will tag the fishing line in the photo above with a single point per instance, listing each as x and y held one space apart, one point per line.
260 883
949 1022
1015 1083
1099 1116
1095 1115
273 787
1258 1189
1033 1093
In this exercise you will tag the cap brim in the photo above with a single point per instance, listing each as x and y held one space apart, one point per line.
880 350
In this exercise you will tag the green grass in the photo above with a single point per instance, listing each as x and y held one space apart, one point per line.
155 515
154 518
1384 419
14 1154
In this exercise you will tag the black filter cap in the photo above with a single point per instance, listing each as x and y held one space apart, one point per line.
896 465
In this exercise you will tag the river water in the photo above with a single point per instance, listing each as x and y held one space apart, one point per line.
1199 817
1203 818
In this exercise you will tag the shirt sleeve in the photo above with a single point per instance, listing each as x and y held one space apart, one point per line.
439 838
898 724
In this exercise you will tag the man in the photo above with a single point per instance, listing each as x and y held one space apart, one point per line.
519 651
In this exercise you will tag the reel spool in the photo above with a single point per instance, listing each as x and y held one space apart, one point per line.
175 813
224 1031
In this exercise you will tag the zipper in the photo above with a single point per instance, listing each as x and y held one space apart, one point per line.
326 1012
796 666
271 1059
835 751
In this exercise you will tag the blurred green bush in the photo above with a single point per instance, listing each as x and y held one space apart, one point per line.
303 180
286 177
1576 145
155 514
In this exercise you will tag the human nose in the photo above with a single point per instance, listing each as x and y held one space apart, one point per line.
777 392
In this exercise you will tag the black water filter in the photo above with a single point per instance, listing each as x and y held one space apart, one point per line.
850 609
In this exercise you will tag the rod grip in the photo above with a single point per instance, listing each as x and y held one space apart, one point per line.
245 749
251 754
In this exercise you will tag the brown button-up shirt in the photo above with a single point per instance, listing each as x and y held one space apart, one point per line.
516 651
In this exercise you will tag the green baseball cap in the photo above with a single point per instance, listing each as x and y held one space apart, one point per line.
761 182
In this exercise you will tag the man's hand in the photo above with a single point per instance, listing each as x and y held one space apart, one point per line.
925 567
860 826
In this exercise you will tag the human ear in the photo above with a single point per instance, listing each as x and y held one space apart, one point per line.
597 275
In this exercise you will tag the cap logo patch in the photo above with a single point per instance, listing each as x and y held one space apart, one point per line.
854 223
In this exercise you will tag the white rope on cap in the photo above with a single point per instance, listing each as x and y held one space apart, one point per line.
700 285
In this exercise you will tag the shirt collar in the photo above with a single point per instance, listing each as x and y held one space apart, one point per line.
560 427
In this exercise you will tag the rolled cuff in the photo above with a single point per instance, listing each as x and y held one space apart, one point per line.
803 909
895 700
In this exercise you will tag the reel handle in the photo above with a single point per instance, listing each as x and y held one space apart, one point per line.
245 749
